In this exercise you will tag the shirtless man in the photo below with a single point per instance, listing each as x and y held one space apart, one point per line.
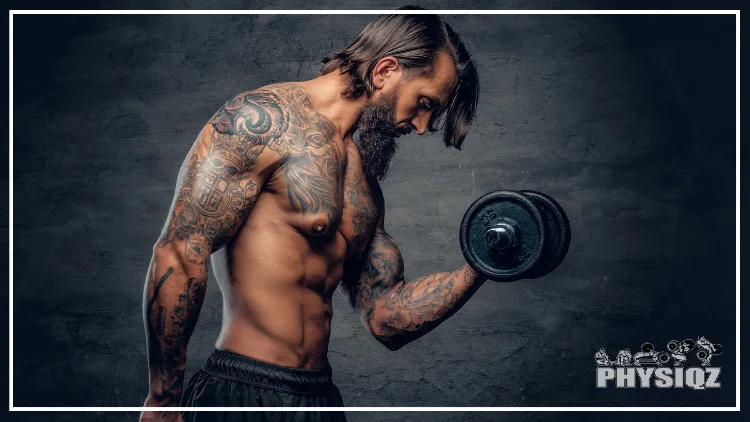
277 194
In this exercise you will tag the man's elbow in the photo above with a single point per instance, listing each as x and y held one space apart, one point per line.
174 254
383 333
392 344
163 250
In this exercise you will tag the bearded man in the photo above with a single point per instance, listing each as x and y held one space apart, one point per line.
286 205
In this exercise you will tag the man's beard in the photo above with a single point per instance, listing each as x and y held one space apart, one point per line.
377 142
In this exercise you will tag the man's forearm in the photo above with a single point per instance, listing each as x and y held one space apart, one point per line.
172 301
408 310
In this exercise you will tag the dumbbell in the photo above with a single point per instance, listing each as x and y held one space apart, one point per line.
512 235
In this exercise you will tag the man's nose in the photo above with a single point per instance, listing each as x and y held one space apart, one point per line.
420 124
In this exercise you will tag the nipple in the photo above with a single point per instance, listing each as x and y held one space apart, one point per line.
319 227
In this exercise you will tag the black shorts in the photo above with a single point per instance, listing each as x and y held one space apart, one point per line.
232 380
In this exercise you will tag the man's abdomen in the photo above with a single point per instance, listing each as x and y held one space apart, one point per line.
277 285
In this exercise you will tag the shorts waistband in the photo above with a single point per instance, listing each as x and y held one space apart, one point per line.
244 369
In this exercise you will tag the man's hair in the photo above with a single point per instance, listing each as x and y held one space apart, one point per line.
415 40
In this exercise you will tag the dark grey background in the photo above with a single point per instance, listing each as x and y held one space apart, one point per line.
628 121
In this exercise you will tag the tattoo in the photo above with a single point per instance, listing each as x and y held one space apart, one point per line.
255 116
184 317
365 211
429 296
312 184
420 305
412 308
216 192
314 165
194 250
380 268
158 287
160 320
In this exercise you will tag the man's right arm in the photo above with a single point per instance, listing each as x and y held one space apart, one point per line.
217 187
396 311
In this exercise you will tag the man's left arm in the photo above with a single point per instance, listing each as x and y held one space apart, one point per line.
396 311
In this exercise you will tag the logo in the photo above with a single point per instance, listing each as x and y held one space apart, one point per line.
649 368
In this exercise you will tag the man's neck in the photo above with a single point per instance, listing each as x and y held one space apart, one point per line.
325 95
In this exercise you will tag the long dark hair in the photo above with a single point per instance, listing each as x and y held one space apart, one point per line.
415 40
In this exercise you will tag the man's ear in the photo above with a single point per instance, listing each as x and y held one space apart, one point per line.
387 68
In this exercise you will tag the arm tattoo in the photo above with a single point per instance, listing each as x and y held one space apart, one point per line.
216 191
427 299
160 320
158 286
183 319
407 310
365 211
218 185
379 269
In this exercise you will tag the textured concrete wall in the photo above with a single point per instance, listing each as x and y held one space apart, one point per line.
627 121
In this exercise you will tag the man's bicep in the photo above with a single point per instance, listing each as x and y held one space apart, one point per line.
222 176
378 269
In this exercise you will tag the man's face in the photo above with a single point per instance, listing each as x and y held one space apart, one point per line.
420 97
401 106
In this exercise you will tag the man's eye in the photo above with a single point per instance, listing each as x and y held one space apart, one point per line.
425 105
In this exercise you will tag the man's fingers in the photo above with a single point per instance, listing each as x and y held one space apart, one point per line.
161 416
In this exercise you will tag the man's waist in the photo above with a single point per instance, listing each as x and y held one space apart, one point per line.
277 339
244 369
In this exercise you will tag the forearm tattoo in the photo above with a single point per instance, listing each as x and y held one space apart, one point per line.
410 309
421 304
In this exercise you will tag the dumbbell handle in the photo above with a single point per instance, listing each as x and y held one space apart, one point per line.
500 237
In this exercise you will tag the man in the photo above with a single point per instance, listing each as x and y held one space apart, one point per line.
276 193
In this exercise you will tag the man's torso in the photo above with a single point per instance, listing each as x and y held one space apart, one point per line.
278 273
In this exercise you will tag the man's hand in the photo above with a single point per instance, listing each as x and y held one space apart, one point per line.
158 415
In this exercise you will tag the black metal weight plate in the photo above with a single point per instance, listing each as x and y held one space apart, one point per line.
502 235
557 238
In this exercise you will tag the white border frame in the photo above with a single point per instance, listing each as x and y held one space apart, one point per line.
736 13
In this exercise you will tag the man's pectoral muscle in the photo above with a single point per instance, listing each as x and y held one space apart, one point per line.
396 311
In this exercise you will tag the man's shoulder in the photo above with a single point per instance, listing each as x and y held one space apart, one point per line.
263 112
290 94
284 96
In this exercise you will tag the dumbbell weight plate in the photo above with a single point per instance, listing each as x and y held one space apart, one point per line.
557 239
502 235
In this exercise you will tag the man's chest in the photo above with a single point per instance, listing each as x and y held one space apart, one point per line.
320 184
324 193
